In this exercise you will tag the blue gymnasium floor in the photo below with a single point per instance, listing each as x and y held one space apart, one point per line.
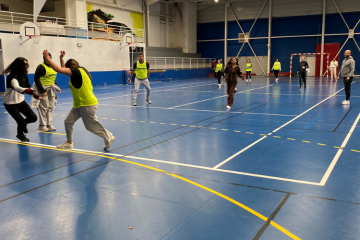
282 164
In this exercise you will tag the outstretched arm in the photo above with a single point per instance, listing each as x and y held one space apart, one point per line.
54 66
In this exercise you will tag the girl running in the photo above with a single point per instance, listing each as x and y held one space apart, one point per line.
218 71
232 71
85 103
17 84
248 70
277 69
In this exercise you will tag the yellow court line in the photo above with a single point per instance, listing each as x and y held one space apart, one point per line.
173 124
132 121
104 118
338 147
152 122
184 125
142 121
224 130
114 119
62 115
263 134
355 150
236 131
291 235
212 128
306 141
192 126
249 133
291 139
123 120
162 123
276 137
55 133
321 144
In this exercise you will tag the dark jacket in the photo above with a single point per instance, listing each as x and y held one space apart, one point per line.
232 73
303 64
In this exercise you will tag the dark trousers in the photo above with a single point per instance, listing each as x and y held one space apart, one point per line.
218 75
231 92
248 75
302 77
15 110
347 85
276 73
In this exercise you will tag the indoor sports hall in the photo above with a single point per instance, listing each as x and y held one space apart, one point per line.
179 120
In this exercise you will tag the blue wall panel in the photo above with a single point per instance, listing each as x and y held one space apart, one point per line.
2 83
180 74
281 47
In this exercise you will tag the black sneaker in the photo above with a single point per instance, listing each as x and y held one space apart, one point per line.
23 138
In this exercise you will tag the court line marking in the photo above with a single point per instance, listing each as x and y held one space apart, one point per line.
197 110
259 140
142 92
172 163
339 152
219 97
246 208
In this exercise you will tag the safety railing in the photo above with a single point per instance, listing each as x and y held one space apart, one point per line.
61 27
174 63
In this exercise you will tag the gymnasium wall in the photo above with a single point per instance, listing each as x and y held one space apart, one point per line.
281 47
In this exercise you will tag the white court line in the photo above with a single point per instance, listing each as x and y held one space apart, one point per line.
218 97
143 92
112 93
259 140
196 110
338 154
174 163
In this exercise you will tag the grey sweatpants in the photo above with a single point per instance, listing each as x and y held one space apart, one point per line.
46 107
88 115
146 84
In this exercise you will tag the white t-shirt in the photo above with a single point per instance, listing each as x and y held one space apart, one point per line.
14 95
334 64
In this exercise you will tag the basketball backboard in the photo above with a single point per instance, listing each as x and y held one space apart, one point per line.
28 31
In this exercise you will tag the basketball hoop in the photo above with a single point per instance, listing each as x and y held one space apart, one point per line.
35 38
132 45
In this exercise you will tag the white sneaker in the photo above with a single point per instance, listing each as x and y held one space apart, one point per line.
134 103
66 145
346 102
247 80
108 145
219 85
148 100
51 128
42 129
228 107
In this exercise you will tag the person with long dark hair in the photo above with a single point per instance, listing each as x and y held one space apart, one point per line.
85 104
232 71
17 84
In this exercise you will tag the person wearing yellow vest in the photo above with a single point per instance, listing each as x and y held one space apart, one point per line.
248 70
219 71
142 74
277 69
46 86
85 104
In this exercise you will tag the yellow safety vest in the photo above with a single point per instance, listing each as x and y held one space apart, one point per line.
218 67
141 70
248 67
277 66
50 76
84 96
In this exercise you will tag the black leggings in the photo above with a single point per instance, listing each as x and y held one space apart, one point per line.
248 75
276 73
302 76
347 85
218 75
15 110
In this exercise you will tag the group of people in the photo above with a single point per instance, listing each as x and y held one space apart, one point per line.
232 71
85 104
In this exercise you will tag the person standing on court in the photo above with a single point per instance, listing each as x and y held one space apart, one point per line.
277 69
248 70
17 84
46 86
303 66
213 66
232 71
333 66
347 71
142 72
85 104
219 71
